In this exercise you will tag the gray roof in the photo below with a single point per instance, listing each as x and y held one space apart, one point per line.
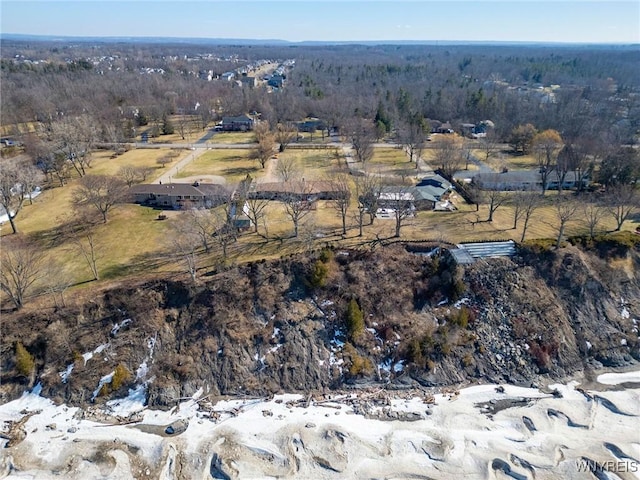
240 119
521 176
182 189
467 253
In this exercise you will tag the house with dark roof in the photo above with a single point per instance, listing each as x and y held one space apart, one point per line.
276 81
179 195
242 123
308 191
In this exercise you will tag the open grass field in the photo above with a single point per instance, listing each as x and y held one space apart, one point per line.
233 165
316 137
313 164
233 137
104 164
135 242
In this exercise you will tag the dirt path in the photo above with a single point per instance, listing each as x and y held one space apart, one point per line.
270 172
169 175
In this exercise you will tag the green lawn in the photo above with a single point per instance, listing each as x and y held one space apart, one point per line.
232 137
313 164
104 163
233 165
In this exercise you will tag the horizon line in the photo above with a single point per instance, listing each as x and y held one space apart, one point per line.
266 41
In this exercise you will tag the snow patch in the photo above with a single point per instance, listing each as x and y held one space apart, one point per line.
116 328
134 402
104 380
65 375
89 355
462 301
618 378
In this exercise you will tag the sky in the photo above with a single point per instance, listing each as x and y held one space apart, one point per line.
574 21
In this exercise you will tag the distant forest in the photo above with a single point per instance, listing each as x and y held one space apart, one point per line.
580 91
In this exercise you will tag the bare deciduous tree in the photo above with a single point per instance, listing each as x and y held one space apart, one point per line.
128 174
75 138
297 203
546 146
448 153
17 182
594 212
413 136
622 202
255 208
266 147
494 200
342 201
489 145
285 134
185 246
565 209
400 200
100 192
86 244
21 267
361 135
525 203
225 233
368 188
287 169
201 223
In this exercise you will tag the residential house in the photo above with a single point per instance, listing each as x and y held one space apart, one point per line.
437 127
430 194
508 180
526 180
276 81
310 125
179 195
249 81
242 123
308 191
228 76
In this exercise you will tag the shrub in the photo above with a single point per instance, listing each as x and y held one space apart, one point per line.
539 245
104 390
326 255
25 364
317 278
359 365
467 360
120 376
457 289
355 320
414 353
462 317
444 347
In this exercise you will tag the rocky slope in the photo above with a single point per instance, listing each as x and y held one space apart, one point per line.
291 326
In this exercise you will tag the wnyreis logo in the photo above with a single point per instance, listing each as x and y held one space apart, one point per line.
613 466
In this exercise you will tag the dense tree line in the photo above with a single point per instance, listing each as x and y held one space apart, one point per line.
391 84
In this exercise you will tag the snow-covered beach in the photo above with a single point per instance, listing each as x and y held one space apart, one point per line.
484 431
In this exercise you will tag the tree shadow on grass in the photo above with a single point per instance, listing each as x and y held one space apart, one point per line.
239 171
143 263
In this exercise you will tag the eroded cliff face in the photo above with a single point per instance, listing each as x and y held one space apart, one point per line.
283 326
